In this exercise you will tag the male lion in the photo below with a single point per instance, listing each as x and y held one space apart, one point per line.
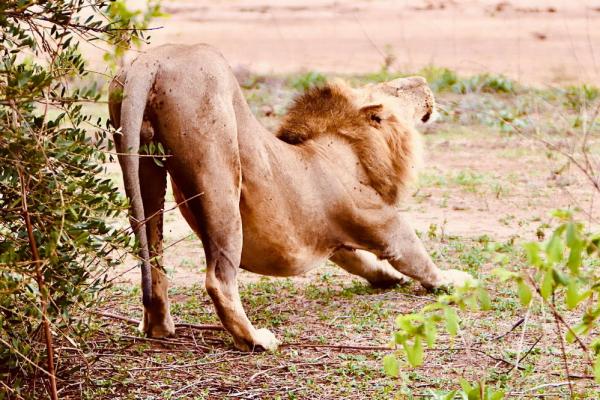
326 187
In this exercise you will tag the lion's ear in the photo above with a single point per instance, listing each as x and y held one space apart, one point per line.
291 137
373 113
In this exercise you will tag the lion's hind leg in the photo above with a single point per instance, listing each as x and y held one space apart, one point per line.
379 273
213 211
157 321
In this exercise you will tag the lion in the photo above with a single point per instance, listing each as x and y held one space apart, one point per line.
328 185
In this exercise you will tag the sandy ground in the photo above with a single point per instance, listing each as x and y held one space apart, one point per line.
541 42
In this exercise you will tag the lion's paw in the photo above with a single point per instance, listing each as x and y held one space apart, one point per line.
265 339
454 278
158 330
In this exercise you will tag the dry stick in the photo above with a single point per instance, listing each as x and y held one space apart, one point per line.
336 347
152 340
519 359
194 383
41 287
546 385
205 327
561 320
23 356
132 321
11 390
515 326
522 339
190 365
563 352
259 373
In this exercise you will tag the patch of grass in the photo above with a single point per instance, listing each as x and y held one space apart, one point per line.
440 79
485 83
431 178
307 80
576 97
468 179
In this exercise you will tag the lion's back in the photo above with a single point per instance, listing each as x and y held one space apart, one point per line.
188 65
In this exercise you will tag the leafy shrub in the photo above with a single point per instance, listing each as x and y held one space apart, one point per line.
564 269
56 237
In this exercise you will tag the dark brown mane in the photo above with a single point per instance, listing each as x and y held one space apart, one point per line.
319 110
387 148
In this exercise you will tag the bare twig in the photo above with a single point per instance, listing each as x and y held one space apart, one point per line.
522 339
519 359
132 321
562 351
545 385
512 328
336 346
42 288
259 373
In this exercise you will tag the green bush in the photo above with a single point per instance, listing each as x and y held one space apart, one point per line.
56 238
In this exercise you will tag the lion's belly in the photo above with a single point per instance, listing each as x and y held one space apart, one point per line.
276 256
280 239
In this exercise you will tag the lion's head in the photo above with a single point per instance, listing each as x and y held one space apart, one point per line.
377 120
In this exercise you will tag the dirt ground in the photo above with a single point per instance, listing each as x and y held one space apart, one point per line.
534 41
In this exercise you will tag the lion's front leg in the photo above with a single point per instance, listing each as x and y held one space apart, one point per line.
379 273
407 254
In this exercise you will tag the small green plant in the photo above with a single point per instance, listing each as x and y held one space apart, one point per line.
420 329
468 179
576 97
439 79
564 273
477 391
308 80
484 83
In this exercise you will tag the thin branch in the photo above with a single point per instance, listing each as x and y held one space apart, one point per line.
132 321
562 351
336 346
561 320
42 288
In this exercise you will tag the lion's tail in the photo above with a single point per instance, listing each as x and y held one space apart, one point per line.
139 81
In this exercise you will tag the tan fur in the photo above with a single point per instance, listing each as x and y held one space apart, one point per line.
257 202
387 148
